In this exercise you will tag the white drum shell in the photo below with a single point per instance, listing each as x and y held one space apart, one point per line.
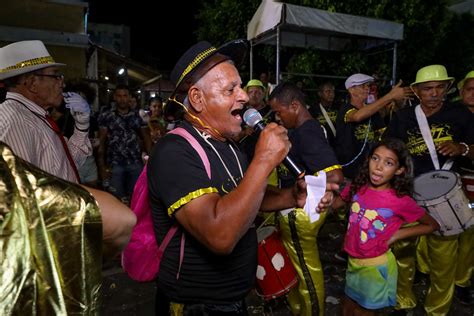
450 210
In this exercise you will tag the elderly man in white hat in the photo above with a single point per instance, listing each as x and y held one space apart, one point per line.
359 124
437 135
35 86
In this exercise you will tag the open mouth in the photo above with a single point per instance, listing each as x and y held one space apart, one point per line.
237 114
376 178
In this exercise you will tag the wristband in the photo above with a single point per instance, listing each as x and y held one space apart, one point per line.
467 149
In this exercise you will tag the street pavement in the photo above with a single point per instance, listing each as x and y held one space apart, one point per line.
123 296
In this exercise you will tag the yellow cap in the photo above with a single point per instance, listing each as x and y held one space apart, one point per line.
470 75
254 83
432 73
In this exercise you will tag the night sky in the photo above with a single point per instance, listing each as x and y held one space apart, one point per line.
156 27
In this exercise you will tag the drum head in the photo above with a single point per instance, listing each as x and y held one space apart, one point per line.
434 184
264 232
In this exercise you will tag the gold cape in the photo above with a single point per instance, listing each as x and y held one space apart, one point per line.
50 243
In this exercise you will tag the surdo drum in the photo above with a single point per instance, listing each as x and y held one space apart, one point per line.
441 193
275 272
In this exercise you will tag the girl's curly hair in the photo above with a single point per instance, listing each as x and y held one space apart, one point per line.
403 183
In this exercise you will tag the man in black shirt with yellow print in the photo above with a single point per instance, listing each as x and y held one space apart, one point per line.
358 124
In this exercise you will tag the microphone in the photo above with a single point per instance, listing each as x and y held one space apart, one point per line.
253 119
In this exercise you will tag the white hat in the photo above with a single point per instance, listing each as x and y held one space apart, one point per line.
22 57
357 80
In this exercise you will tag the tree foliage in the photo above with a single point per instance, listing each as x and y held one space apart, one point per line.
432 34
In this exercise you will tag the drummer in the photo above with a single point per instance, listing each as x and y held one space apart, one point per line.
452 132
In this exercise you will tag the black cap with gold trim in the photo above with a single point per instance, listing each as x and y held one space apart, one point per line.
196 62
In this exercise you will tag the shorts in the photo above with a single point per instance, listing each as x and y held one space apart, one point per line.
372 282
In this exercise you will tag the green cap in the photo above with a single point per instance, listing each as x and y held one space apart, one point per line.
432 73
254 83
470 75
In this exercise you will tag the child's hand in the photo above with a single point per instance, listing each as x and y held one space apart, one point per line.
328 197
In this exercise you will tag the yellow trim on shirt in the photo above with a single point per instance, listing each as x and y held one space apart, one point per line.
330 168
190 196
347 114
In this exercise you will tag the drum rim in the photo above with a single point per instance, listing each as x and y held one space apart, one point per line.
449 192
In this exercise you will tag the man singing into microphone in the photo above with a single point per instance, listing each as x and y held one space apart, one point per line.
215 213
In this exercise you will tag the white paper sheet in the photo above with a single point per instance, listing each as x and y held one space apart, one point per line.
316 189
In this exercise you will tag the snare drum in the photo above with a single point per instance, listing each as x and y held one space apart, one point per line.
440 192
275 272
468 184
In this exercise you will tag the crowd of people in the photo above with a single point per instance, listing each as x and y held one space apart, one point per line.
69 175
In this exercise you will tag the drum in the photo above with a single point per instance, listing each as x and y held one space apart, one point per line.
275 272
468 184
440 192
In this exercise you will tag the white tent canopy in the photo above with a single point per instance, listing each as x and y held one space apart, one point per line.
281 24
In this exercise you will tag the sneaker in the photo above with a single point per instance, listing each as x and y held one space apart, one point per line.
463 294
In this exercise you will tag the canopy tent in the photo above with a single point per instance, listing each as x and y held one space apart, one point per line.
281 24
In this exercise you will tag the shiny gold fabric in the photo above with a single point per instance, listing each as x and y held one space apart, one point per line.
50 243
465 264
299 237
443 256
405 253
422 259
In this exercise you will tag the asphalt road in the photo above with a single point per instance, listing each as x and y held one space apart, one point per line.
123 296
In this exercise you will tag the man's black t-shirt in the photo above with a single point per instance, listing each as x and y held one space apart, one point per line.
351 137
309 150
453 122
332 114
176 175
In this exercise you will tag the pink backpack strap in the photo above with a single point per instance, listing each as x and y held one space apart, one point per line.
205 160
166 241
193 141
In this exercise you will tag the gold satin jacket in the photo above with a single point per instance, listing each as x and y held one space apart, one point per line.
50 243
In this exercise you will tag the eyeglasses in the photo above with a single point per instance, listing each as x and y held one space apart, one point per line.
59 77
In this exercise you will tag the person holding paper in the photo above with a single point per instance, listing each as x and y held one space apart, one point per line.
380 202
299 228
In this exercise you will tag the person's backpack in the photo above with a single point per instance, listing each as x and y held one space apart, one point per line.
142 256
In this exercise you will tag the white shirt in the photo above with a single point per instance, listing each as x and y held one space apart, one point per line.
23 127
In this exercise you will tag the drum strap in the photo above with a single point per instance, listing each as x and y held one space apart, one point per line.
328 120
428 138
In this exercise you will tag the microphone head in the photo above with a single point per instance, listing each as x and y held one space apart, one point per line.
252 117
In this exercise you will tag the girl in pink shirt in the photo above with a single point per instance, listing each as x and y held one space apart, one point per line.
381 202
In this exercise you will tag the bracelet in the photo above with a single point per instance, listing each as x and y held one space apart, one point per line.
467 149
